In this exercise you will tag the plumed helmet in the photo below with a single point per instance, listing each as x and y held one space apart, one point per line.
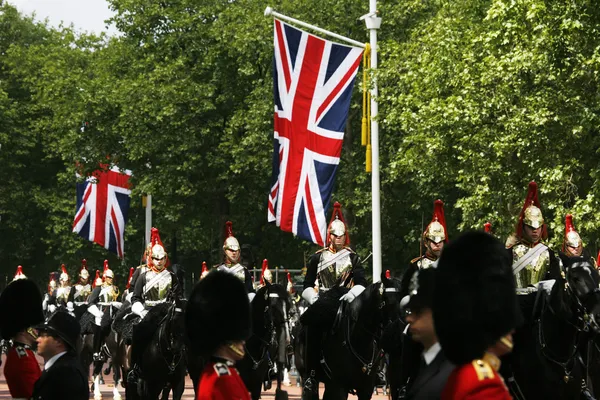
204 270
51 283
265 274
487 228
531 213
157 251
83 271
217 312
436 230
337 224
64 276
290 283
97 279
19 274
20 307
107 271
572 238
474 302
230 243
131 271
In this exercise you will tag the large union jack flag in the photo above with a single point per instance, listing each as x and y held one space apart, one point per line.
102 206
313 81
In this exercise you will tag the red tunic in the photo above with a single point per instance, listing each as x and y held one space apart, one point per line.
220 381
22 371
475 381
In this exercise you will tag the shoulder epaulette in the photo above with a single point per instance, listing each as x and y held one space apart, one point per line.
321 250
222 369
483 370
414 260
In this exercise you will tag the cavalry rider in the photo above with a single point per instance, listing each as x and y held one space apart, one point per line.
533 261
330 273
231 264
19 274
47 302
147 260
434 237
265 275
100 306
20 310
218 324
475 310
572 243
61 294
151 288
78 296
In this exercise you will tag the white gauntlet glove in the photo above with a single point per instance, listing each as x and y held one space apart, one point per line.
353 293
310 295
138 308
251 297
95 311
51 308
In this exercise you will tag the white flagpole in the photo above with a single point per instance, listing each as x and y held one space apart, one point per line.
148 217
373 23
270 11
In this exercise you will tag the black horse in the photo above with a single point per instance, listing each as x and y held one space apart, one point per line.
163 364
545 362
267 348
351 350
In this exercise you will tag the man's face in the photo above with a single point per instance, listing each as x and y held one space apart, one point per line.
532 234
421 327
83 280
233 256
159 262
108 280
574 251
435 248
47 346
337 241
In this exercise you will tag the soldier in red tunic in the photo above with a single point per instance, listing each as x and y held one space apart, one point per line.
218 324
475 311
20 309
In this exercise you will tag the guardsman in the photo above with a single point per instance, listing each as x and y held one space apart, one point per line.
533 261
218 324
64 289
47 303
572 243
204 270
265 274
231 263
100 306
433 239
78 296
20 310
19 274
475 311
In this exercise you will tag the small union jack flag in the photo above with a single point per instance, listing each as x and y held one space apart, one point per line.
313 81
102 206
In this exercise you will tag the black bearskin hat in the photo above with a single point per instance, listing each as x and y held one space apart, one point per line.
217 312
20 307
421 289
474 303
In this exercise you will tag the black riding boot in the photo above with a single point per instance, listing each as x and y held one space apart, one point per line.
310 387
98 340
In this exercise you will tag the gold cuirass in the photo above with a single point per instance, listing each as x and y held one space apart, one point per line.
237 270
536 268
109 293
425 263
82 292
331 274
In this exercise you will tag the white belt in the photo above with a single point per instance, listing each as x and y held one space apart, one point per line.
154 302
527 290
80 303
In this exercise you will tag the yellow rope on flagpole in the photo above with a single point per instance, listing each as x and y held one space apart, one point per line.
366 117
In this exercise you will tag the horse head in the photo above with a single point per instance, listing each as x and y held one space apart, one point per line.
583 280
391 297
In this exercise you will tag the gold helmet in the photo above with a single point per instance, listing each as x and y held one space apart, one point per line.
64 276
436 230
97 280
19 274
531 213
265 274
83 272
572 238
231 243
337 225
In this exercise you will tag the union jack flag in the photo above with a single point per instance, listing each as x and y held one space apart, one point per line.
102 206
313 81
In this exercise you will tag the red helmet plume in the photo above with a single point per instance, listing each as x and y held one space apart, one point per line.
97 280
19 274
64 275
131 271
487 227
531 213
388 274
572 238
204 270
436 231
265 273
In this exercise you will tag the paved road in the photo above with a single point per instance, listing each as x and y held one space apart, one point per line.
107 389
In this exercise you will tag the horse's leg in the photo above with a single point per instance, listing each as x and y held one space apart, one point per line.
335 392
97 374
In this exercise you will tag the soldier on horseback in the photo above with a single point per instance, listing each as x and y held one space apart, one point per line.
47 302
78 296
100 306
231 264
60 296
153 287
19 274
434 237
331 272
533 261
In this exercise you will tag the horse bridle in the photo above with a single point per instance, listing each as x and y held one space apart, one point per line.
178 355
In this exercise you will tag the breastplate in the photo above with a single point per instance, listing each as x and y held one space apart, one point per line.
536 268
237 270
425 263
330 275
107 294
82 292
160 287
62 294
